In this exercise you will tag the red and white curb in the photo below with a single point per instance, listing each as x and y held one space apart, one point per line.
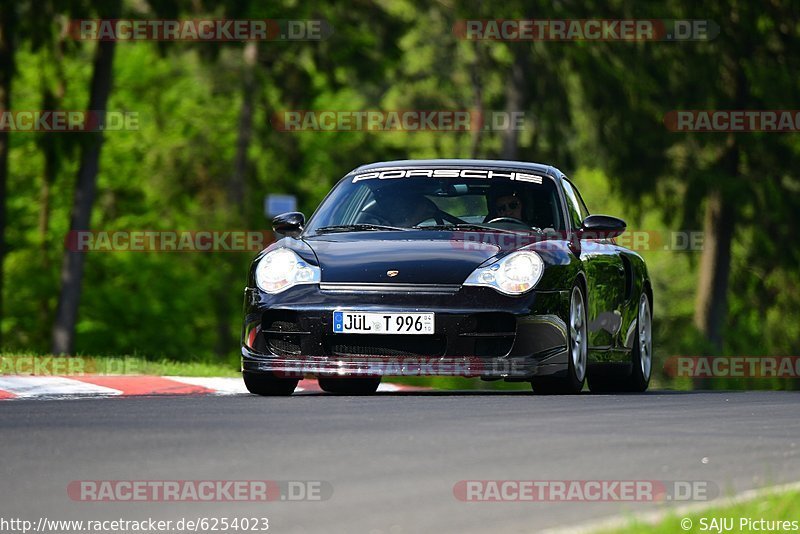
44 387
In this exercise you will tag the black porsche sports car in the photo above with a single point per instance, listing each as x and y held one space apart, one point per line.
482 268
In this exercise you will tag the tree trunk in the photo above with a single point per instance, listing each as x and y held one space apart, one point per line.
515 98
237 193
715 264
72 268
711 303
7 25
237 185
51 147
476 135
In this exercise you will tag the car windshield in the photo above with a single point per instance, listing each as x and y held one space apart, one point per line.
373 202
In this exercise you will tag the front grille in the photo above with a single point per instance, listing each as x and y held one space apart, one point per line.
493 347
288 346
282 333
283 326
287 333
385 345
420 289
493 333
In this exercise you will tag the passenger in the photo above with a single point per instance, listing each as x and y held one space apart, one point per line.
401 208
410 210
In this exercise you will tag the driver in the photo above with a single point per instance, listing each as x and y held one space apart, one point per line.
508 206
504 202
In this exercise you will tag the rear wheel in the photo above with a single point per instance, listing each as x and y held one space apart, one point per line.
643 349
350 386
641 357
578 352
268 385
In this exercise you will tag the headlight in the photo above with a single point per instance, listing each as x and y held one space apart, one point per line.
515 274
282 269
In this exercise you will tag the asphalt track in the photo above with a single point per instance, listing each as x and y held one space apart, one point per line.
391 459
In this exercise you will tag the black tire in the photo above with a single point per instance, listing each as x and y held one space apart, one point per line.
349 385
572 383
639 378
268 385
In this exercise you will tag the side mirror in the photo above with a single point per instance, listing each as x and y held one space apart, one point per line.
289 224
602 227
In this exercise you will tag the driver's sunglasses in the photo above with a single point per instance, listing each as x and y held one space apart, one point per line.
514 204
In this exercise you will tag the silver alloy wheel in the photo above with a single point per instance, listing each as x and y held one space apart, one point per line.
645 336
577 330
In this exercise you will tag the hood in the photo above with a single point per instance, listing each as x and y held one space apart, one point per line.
420 257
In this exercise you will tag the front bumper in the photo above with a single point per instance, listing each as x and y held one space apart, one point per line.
478 332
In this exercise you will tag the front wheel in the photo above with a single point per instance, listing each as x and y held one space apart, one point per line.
578 352
268 385
349 386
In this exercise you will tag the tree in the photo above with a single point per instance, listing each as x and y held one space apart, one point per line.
72 268
708 179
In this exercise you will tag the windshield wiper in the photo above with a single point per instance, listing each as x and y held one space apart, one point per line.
357 228
472 226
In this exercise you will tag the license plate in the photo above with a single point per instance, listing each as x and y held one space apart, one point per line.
346 322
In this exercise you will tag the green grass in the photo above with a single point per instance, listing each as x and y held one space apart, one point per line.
774 507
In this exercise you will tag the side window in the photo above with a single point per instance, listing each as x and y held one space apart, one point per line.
582 205
574 206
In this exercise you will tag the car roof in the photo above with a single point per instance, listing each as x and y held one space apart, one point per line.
477 163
